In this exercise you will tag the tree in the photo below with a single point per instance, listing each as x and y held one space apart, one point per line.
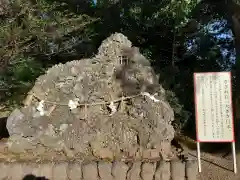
235 14
35 35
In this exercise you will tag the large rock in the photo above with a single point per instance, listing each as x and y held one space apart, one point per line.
134 125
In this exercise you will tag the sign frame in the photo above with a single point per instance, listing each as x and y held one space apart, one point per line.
232 141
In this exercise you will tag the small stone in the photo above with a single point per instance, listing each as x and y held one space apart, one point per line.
132 151
90 171
18 172
46 170
134 172
39 150
178 170
35 168
146 153
104 153
163 171
154 153
119 171
105 169
139 153
18 144
75 171
148 170
27 169
5 171
74 71
59 171
191 169
52 142
165 150
13 122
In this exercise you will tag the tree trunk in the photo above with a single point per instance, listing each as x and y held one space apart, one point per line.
234 17
234 14
236 29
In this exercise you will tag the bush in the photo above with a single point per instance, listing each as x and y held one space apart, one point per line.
18 77
181 116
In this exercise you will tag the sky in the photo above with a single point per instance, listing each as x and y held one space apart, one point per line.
222 35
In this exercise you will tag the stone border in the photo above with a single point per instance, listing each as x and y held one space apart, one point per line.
161 170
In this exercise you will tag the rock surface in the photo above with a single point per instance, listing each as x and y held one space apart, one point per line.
115 114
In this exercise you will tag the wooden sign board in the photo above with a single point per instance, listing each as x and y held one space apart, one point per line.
213 107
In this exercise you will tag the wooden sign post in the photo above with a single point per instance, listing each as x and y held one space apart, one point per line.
213 110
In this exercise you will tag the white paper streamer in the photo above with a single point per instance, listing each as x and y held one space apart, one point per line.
73 104
150 96
40 108
113 108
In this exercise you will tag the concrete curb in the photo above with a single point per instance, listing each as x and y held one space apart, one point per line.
161 170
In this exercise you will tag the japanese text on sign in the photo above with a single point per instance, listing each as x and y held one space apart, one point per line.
213 107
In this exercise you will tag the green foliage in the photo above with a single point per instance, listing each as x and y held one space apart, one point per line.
32 32
38 27
19 77
24 70
181 116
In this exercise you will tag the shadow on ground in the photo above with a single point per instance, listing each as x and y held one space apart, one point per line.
32 177
3 129
190 142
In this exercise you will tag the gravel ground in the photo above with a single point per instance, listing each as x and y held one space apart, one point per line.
215 167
